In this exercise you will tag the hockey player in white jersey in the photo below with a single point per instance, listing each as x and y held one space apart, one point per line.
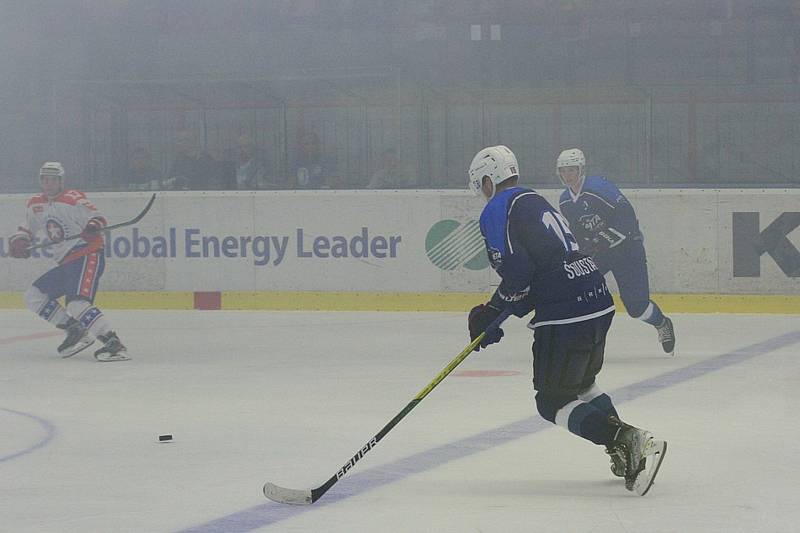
59 214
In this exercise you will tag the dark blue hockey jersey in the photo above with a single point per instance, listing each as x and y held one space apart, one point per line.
532 249
600 216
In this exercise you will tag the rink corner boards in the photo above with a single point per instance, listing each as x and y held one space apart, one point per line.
398 301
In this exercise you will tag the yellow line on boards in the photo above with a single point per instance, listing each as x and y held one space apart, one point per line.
375 301
119 300
145 300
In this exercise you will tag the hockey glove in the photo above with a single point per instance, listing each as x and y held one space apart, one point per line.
589 246
602 241
93 227
610 237
19 245
483 318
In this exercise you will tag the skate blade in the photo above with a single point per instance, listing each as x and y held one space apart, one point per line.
106 358
655 451
75 349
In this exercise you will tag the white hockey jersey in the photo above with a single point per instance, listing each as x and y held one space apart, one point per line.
60 218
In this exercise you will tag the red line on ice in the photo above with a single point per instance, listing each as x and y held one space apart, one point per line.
32 336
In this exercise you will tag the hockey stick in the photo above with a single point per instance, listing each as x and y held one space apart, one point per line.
134 220
306 497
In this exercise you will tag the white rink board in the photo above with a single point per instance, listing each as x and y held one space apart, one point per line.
265 241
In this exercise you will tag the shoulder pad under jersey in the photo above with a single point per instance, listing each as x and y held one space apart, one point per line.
70 196
602 187
37 199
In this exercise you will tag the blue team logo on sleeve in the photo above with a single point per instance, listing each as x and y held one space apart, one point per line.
495 258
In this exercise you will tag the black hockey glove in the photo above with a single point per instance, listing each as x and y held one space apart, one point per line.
92 229
589 246
602 241
610 237
18 246
482 318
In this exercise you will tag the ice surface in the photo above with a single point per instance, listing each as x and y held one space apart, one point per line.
289 397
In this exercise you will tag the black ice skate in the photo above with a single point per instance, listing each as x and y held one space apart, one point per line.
78 338
112 350
666 335
640 453
617 462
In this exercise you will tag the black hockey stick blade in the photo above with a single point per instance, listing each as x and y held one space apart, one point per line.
307 497
134 220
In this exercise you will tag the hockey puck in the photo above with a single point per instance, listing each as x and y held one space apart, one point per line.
164 438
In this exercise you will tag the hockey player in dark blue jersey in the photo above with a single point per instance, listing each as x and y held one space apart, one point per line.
541 268
606 228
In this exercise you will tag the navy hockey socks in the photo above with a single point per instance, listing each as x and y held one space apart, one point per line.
587 421
585 416
652 315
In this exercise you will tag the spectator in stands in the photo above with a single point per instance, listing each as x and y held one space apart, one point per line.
141 174
250 167
221 174
388 175
312 170
192 169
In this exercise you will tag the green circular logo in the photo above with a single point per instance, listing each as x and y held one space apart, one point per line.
450 244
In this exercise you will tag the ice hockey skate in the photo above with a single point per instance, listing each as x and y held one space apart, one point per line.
78 338
641 453
666 335
112 350
617 463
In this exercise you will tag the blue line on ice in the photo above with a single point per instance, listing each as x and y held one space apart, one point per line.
358 483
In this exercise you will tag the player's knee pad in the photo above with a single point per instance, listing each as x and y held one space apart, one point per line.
35 299
549 404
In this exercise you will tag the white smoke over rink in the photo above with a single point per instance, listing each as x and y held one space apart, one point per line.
397 94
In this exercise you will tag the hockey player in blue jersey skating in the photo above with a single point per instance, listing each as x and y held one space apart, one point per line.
531 248
606 227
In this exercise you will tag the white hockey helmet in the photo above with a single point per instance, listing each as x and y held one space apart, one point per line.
497 162
571 157
52 169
